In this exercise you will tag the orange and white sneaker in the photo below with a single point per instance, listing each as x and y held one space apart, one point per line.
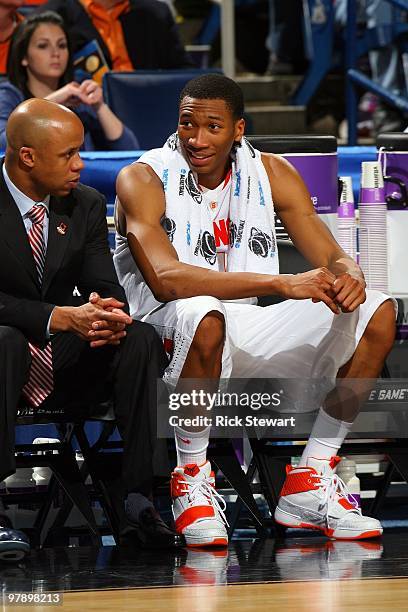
198 509
314 497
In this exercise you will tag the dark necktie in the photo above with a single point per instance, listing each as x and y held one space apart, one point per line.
40 383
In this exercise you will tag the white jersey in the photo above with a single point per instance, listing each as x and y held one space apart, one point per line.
250 221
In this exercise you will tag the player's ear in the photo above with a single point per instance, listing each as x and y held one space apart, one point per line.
239 130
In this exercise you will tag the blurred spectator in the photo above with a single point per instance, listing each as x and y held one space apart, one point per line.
387 67
273 43
9 20
285 37
40 66
132 33
386 64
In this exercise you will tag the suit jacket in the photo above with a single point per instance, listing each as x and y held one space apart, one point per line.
149 30
80 257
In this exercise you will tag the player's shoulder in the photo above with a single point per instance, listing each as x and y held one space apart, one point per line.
277 165
136 185
137 175
281 174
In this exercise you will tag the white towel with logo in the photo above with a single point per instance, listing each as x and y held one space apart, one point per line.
188 221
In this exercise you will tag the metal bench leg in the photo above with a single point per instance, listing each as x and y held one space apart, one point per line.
239 503
99 464
225 459
382 490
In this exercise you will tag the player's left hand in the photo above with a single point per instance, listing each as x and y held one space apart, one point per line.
349 291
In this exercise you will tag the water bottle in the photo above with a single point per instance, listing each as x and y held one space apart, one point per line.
346 470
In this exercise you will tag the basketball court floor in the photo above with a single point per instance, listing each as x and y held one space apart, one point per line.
306 573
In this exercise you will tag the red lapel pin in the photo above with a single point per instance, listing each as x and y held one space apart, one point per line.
62 229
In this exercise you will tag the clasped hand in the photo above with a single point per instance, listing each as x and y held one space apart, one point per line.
344 292
101 321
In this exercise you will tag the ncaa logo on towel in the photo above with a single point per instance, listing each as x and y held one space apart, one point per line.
192 188
261 194
169 227
165 178
260 243
207 248
182 181
235 234
238 183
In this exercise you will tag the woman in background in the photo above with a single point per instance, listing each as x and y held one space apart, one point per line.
40 66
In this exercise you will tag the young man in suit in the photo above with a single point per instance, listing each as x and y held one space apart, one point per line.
53 238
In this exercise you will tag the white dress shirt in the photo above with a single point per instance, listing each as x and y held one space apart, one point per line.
25 204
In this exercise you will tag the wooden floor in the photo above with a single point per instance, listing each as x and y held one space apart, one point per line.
374 595
298 574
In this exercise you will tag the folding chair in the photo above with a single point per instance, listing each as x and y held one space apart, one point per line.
64 467
147 101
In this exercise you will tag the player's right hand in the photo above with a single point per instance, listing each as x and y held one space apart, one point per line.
316 284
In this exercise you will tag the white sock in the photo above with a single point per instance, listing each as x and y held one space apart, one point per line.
191 446
326 437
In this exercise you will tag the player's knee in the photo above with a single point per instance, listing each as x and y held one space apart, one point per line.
209 337
380 330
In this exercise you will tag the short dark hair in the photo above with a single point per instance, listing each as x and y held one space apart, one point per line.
16 72
216 87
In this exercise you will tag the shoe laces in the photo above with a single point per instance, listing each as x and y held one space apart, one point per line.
333 486
202 490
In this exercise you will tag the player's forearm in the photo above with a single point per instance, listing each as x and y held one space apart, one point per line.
184 281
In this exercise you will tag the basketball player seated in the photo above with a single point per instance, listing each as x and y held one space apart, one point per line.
195 244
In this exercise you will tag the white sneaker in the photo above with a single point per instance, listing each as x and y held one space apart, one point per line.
198 509
314 497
